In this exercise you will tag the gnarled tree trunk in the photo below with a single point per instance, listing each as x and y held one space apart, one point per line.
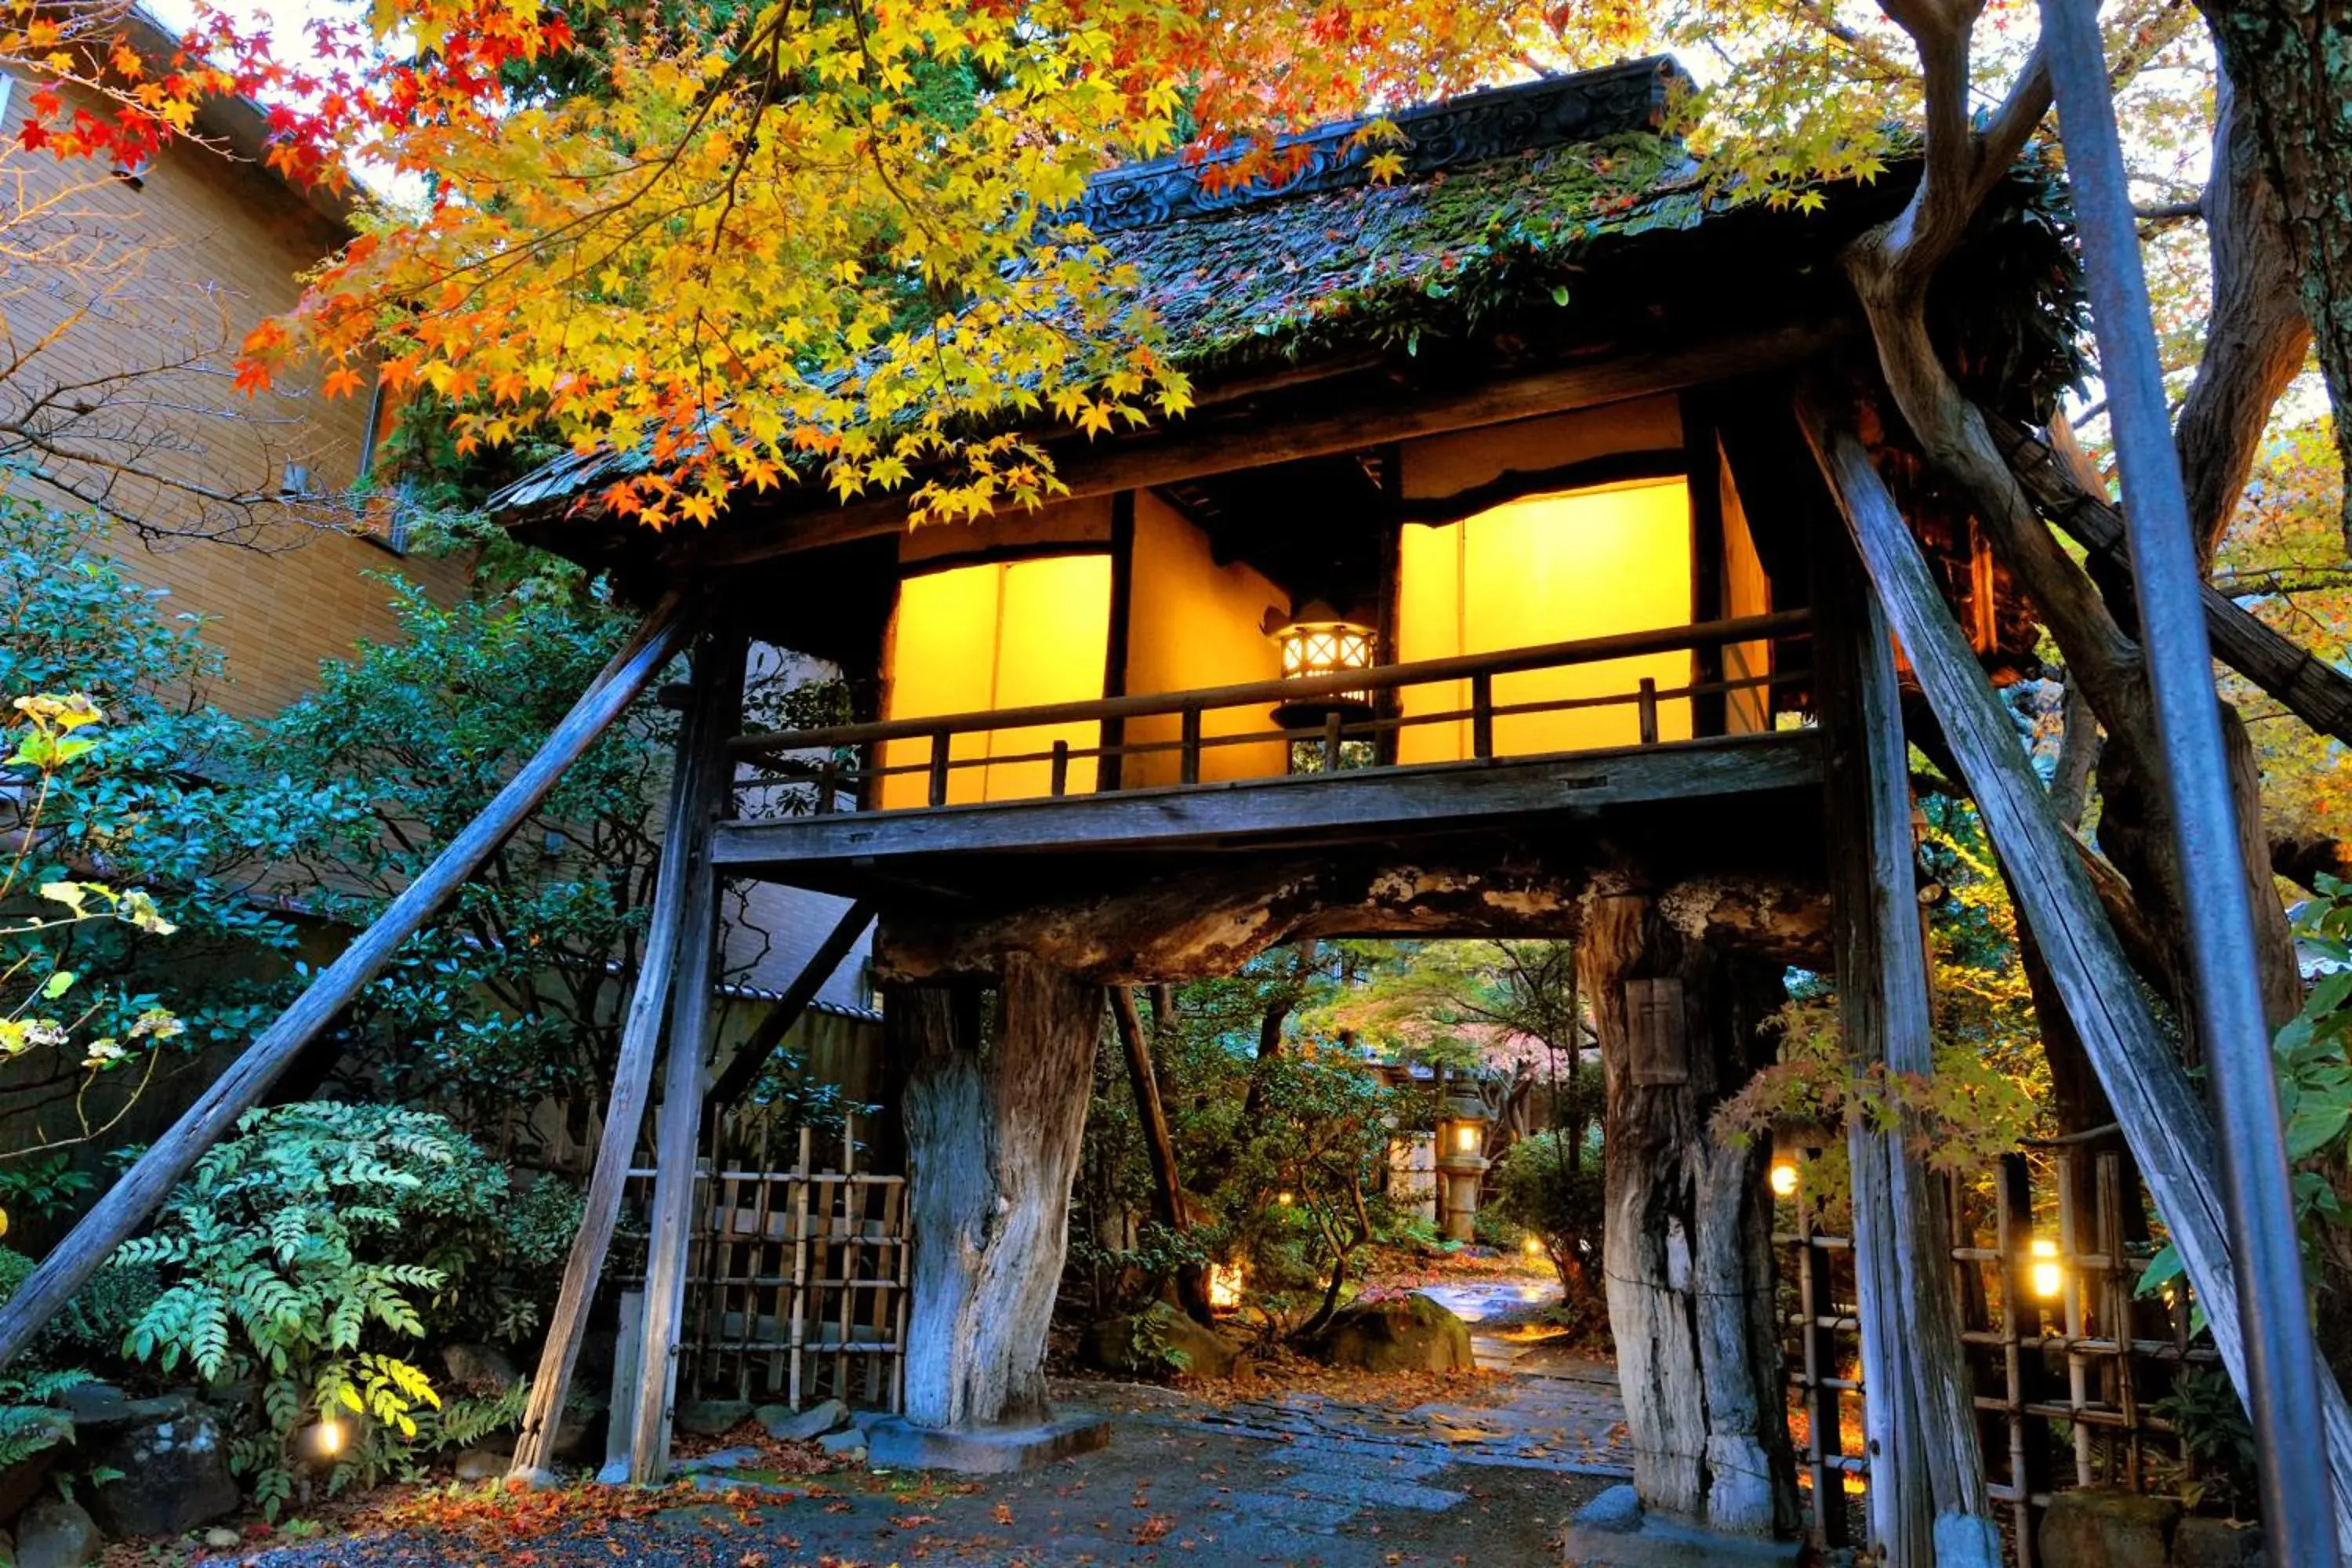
2291 70
1688 1241
995 1106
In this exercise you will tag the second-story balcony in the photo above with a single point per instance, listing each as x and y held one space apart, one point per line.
1583 730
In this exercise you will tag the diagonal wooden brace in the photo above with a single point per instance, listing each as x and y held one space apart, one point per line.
2162 1118
127 1205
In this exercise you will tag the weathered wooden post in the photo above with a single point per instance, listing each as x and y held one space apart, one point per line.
633 1074
715 714
1688 1241
2161 1117
1927 1501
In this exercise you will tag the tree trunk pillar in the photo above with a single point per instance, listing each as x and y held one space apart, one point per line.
995 1105
1686 1247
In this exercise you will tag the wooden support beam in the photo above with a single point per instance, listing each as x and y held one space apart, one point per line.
717 712
130 1200
2162 1118
1927 1502
534 1455
1190 451
2303 684
1323 808
753 1053
1191 1280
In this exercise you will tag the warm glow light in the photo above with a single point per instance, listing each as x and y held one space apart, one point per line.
2049 1280
1014 634
1324 648
1546 569
1466 1139
1784 1179
1283 1198
1225 1282
324 1441
1532 1247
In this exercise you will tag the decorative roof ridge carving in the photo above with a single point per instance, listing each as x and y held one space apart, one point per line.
1551 111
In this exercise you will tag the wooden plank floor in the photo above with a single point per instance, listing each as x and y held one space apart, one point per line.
845 852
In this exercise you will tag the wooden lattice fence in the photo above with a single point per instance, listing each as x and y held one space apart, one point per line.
796 1274
2067 1360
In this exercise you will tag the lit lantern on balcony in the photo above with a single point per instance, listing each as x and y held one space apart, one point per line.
1316 641
1461 1164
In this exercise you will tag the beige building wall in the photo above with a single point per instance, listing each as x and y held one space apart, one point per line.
138 300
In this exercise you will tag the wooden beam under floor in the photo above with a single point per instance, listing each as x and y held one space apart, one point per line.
1321 809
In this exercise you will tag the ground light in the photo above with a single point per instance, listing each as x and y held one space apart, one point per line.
1784 1179
324 1441
1225 1283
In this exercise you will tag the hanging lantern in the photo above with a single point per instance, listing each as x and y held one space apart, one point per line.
1318 641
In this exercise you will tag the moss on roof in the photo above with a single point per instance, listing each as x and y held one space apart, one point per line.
1353 266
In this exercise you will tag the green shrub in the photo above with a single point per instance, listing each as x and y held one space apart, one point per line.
30 1420
298 1253
1550 1186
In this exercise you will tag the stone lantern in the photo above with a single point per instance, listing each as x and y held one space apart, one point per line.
1461 1163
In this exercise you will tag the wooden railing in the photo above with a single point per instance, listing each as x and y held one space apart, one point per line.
844 758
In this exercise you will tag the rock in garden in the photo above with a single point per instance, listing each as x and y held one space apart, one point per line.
2217 1543
723 1460
479 1369
808 1425
848 1444
1618 1510
1409 1333
2094 1528
580 1436
482 1465
55 1534
1156 1342
174 1477
218 1538
710 1417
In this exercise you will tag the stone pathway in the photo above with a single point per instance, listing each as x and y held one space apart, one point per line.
1299 1479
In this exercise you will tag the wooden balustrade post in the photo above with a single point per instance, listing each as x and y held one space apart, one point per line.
942 741
1649 707
1482 716
1331 742
1060 769
1189 753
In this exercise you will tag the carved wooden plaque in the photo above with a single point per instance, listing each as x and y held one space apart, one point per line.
1657 1031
